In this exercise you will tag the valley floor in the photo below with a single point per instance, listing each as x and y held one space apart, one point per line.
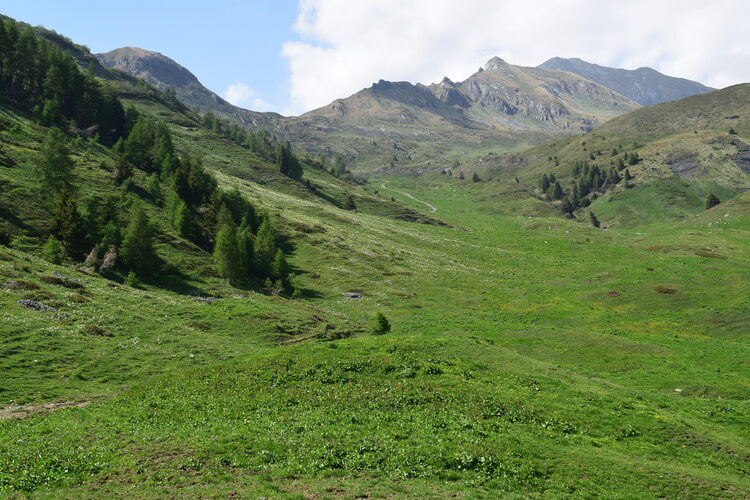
530 357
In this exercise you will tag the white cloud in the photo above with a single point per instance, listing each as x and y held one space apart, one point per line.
347 45
243 96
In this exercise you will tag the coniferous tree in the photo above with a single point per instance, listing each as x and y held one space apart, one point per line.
53 167
349 203
381 325
183 220
227 253
69 226
594 220
246 244
475 177
280 267
557 192
567 206
265 248
123 169
153 186
52 250
138 250
544 184
712 201
627 178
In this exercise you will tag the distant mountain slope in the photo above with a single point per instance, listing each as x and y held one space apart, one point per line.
412 126
645 86
162 72
685 149
500 107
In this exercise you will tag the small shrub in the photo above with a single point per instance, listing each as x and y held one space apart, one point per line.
712 201
381 325
132 280
665 289
20 285
56 280
97 330
52 251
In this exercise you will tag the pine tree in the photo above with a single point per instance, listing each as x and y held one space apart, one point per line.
712 201
137 247
594 220
265 248
557 192
153 186
544 184
246 244
567 206
349 203
627 178
52 250
183 220
123 169
475 177
227 253
280 267
53 167
381 325
69 226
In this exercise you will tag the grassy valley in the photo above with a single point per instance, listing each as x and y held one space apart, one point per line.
529 354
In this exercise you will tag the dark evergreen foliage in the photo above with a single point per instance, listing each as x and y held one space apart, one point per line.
712 201
40 78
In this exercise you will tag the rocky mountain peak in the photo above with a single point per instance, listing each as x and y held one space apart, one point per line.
494 64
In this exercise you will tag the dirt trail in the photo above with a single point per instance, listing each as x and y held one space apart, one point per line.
409 195
24 411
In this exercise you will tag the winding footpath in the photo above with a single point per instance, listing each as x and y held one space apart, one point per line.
409 195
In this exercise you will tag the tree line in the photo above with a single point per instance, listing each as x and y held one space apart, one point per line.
45 81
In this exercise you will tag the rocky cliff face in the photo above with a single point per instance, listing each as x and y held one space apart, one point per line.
645 86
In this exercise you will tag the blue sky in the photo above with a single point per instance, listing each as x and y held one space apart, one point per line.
292 56
221 42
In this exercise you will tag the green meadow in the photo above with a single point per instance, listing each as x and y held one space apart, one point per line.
530 356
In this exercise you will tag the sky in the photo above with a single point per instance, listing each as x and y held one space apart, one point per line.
293 56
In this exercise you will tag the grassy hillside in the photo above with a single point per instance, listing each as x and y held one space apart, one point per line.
686 150
536 349
529 355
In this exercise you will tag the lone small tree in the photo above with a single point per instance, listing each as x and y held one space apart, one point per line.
381 325
712 201
475 177
349 203
594 220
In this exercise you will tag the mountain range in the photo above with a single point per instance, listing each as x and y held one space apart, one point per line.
415 128
646 86
193 310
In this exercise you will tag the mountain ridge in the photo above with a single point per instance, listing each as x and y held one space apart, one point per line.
163 72
644 85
